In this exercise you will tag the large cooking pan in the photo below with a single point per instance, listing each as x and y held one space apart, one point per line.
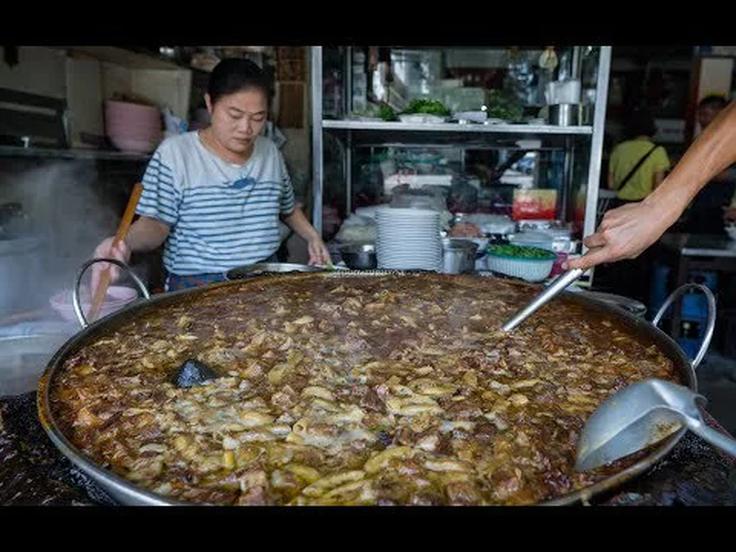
128 493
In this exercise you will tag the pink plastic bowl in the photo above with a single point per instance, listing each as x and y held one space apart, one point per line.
133 145
117 297
131 109
113 127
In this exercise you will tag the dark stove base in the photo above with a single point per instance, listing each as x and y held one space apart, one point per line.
34 472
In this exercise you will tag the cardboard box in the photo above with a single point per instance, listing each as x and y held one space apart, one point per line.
86 76
86 125
96 74
123 72
40 71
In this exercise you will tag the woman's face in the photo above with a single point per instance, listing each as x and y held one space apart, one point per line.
238 118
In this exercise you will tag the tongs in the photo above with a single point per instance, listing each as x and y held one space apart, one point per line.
641 415
550 292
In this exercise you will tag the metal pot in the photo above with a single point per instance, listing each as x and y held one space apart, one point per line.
128 493
458 256
564 114
14 221
359 257
21 261
23 359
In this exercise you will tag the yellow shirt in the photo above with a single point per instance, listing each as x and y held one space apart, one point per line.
625 156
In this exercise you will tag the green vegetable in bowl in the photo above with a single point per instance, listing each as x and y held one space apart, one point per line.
502 105
386 113
430 107
380 111
521 252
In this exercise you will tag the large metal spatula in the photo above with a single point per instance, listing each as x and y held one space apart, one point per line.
640 415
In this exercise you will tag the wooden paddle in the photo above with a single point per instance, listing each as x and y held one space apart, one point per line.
125 222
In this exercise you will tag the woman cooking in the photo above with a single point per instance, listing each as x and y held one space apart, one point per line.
215 196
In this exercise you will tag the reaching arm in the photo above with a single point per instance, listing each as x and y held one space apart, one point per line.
627 231
659 177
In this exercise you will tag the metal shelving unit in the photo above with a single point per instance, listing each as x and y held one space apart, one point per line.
573 140
458 128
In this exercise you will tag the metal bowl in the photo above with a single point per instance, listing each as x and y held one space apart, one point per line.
359 257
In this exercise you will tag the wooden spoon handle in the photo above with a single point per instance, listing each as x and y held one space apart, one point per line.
101 291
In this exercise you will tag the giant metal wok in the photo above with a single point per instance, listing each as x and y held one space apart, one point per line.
127 492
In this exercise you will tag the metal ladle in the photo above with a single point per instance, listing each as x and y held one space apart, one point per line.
556 287
639 416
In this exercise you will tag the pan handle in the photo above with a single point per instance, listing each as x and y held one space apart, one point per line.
75 296
711 323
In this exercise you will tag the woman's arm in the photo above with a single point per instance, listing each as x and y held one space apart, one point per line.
318 253
145 234
627 231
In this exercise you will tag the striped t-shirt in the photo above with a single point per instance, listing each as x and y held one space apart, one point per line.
221 215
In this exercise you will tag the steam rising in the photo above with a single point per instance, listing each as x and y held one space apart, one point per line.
70 216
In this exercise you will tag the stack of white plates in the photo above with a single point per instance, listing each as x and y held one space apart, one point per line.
408 239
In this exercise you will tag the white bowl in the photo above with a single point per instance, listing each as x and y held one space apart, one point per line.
531 270
422 118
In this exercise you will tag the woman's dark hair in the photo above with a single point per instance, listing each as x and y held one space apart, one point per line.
233 75
639 122
714 100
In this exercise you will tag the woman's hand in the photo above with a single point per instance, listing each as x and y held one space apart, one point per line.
625 232
121 252
318 253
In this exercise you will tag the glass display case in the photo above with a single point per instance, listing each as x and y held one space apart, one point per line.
487 126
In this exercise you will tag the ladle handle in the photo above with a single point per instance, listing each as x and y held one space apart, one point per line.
714 437
99 294
550 292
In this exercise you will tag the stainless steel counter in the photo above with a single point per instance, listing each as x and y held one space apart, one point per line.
699 245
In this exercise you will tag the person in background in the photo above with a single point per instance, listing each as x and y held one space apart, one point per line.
709 108
704 216
215 196
625 232
637 165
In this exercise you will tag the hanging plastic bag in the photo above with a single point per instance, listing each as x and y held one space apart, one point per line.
173 124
